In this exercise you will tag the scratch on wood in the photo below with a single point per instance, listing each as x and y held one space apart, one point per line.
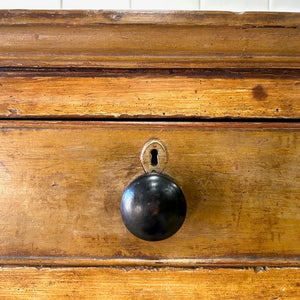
260 269
13 112
4 168
239 213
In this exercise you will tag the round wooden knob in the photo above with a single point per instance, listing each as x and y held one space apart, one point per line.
153 207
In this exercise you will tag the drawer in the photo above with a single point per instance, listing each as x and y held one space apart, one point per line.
62 183
152 94
120 283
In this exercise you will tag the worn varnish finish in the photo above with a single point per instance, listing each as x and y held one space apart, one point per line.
138 39
111 283
150 94
61 185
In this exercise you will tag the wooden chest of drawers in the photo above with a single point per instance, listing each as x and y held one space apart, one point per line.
81 93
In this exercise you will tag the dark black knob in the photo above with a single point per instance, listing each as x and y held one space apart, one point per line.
153 207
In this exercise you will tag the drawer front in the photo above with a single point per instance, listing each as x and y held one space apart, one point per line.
121 283
62 183
151 94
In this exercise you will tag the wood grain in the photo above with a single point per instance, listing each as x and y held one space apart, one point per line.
97 17
147 40
111 283
151 94
61 184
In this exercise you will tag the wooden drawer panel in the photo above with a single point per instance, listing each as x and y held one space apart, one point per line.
121 283
61 184
150 94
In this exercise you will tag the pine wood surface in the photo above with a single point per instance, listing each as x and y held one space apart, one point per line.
61 182
61 185
151 94
145 40
166 283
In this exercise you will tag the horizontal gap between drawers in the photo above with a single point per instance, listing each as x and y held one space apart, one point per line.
157 119
136 262
132 72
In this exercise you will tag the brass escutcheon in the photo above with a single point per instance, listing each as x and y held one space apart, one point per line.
154 156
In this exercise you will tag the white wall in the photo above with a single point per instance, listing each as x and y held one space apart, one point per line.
228 5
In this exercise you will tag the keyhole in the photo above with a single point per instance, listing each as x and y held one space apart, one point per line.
154 157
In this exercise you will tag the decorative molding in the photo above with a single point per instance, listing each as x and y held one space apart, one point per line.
123 39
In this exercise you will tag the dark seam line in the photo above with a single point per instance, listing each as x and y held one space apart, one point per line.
154 120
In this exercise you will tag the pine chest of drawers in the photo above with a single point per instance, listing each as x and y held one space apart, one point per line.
216 95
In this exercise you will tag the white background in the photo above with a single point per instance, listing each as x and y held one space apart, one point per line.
228 5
